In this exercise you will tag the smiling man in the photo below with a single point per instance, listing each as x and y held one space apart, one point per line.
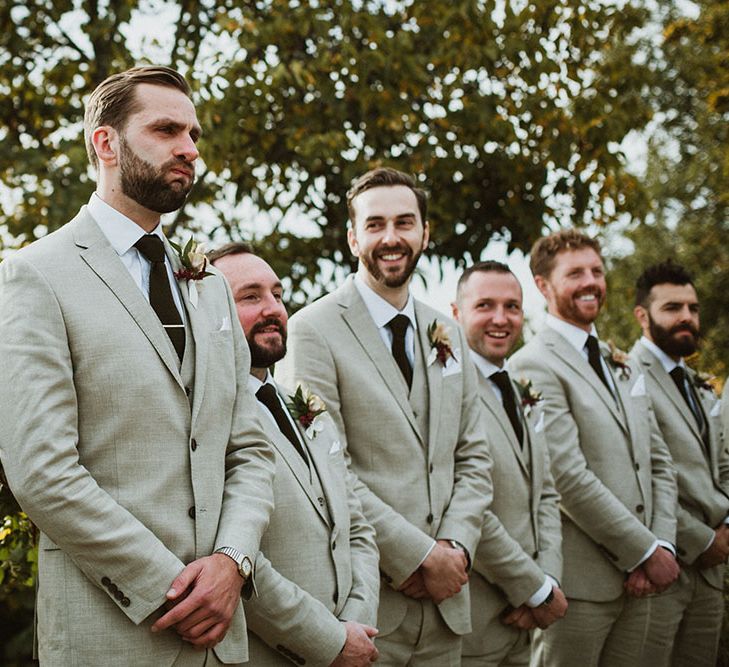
392 374
150 500
685 621
610 466
514 592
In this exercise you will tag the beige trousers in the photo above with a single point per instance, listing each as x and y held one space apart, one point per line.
506 646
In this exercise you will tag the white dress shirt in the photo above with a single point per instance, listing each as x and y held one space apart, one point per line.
123 233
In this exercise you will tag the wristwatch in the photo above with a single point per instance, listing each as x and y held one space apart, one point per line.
241 560
548 600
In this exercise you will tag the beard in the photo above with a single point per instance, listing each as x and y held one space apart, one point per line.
391 279
672 346
265 356
570 311
148 185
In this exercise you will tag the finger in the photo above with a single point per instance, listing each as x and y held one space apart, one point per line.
184 580
195 619
177 614
210 638
370 631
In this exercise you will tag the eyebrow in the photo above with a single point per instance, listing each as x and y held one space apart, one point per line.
168 121
249 286
382 217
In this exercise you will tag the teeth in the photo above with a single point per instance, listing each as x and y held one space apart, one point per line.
391 257
497 334
587 297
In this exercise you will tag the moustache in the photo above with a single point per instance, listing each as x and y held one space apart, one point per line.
386 250
268 322
684 327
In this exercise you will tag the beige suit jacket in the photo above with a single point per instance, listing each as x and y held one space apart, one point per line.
703 476
318 564
610 466
412 488
127 478
725 413
527 505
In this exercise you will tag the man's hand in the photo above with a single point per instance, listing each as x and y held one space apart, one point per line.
359 648
547 614
521 618
444 571
638 584
718 550
205 596
662 569
414 586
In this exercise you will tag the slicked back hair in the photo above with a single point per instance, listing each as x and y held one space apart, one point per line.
385 177
544 252
232 248
667 272
114 100
488 266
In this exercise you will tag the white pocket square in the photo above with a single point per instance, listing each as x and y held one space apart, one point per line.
336 446
225 324
639 387
540 424
716 410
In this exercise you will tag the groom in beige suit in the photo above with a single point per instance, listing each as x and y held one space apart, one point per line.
394 376
686 620
610 466
130 436
317 574
509 597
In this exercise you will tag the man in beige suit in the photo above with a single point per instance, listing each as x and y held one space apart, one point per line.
317 573
686 620
489 308
130 436
392 374
610 466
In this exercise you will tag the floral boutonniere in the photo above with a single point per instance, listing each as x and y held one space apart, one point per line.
305 407
194 262
528 394
619 361
705 381
440 344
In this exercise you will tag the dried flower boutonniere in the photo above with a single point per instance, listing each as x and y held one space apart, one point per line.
440 344
194 262
305 407
529 396
705 381
619 361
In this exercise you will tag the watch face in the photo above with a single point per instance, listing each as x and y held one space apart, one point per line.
246 567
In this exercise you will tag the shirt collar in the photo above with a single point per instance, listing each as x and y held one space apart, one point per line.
254 384
575 336
485 367
380 310
666 361
122 232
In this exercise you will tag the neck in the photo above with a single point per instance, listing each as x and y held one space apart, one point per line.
499 363
259 373
113 196
397 297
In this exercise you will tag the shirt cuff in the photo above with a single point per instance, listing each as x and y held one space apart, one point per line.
542 594
711 541
667 545
427 553
646 556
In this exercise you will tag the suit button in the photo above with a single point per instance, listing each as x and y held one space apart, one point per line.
193 444
320 500
334 598
429 519
431 468
119 595
639 508
535 555
113 589
334 545
188 391
637 466
125 602
105 581
191 512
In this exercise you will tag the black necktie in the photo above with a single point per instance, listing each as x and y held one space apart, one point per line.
502 381
267 395
399 326
160 292
678 375
594 357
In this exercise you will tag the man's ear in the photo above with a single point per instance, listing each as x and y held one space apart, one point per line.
352 241
105 141
543 286
426 235
641 314
456 313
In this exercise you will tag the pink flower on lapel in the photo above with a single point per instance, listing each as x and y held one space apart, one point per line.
440 343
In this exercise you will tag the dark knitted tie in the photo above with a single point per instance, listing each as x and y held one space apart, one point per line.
160 292
267 395
508 398
678 375
594 357
399 326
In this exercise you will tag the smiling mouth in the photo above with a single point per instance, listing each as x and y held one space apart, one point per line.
588 298
499 335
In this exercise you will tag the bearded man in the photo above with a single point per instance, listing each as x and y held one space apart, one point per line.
686 620
130 437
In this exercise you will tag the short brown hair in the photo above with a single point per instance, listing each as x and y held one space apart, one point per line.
487 266
232 248
545 250
113 100
386 176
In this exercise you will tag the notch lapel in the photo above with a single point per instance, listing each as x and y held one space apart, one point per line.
433 372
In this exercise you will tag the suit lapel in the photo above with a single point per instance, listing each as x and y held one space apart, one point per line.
360 323
582 368
105 263
433 373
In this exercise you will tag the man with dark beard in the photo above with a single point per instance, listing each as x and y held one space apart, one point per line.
316 574
396 378
130 437
610 466
686 620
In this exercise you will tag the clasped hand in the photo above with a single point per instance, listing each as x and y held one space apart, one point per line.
442 574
